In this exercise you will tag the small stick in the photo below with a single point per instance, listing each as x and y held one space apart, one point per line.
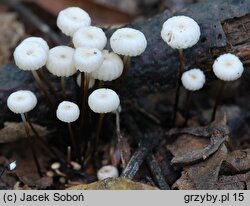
43 89
31 145
178 86
218 99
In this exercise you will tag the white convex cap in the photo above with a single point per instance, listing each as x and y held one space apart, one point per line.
180 32
90 36
128 42
38 40
111 68
228 67
87 59
21 101
60 61
71 19
79 81
67 112
108 171
193 80
103 100
30 56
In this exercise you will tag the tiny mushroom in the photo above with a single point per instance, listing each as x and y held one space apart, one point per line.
107 171
193 79
21 102
228 67
68 112
71 19
38 40
128 42
111 68
91 36
180 32
60 61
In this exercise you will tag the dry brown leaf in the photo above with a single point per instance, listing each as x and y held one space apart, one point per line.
11 31
14 131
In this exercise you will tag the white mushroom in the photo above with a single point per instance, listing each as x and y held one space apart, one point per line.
91 36
60 61
228 67
67 112
87 59
111 68
39 41
193 80
108 171
30 56
71 19
103 101
180 32
21 101
128 42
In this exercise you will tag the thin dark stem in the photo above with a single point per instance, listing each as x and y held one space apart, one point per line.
99 129
178 86
68 156
31 145
218 99
43 89
101 83
72 139
121 80
38 137
48 83
187 108
63 87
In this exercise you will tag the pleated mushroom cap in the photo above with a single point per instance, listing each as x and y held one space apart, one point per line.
71 19
21 101
67 112
111 68
128 42
87 59
39 41
103 101
228 67
180 32
29 56
91 36
193 80
60 61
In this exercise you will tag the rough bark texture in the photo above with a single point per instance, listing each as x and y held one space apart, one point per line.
225 26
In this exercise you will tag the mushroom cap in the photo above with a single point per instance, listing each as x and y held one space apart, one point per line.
103 101
228 67
21 101
79 81
107 171
60 61
193 80
180 32
71 19
38 40
90 36
87 59
67 112
111 68
128 42
30 56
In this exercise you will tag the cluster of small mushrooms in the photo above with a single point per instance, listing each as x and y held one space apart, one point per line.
91 61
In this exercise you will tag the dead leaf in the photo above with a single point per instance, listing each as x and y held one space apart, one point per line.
14 131
114 184
11 31
204 175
